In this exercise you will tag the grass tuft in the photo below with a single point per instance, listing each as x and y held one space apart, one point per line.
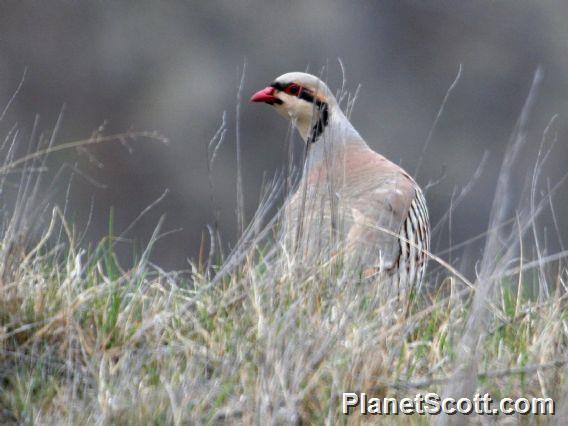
259 336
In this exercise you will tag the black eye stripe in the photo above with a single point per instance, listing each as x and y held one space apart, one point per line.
278 86
304 93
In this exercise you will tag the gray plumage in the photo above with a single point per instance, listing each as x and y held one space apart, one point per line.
351 201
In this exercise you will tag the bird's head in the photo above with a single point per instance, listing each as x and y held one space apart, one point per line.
303 98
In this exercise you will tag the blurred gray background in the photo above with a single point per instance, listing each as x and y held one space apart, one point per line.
174 67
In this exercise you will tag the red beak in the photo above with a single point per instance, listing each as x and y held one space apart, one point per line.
264 95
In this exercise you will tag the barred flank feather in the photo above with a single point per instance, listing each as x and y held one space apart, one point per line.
414 244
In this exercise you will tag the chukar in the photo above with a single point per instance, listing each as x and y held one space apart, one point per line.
350 198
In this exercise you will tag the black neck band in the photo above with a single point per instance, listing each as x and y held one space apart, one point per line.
322 119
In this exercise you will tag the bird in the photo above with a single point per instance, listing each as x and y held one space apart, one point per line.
350 199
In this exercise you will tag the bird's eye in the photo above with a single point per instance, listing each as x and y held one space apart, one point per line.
292 89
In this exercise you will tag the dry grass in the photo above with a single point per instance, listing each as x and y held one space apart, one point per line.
260 336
